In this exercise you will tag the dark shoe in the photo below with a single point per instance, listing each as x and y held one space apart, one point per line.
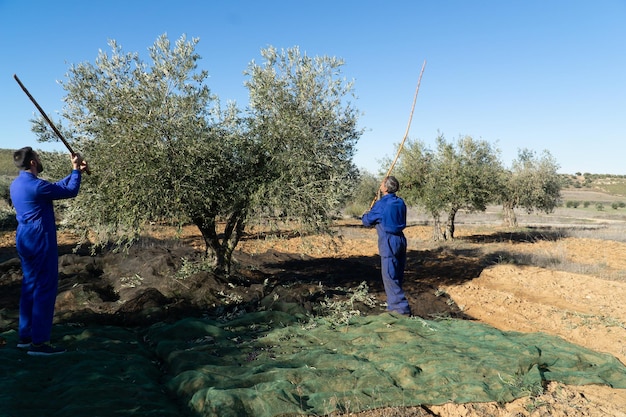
44 349
24 343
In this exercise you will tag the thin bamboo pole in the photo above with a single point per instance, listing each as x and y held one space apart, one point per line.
406 134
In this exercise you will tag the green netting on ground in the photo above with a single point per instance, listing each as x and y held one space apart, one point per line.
273 363
107 371
268 364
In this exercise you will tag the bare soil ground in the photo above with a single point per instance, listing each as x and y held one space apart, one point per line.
538 278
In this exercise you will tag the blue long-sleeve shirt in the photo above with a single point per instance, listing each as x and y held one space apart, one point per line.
389 217
389 212
32 197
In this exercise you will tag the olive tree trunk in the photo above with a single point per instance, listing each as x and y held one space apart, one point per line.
509 217
219 248
437 232
448 234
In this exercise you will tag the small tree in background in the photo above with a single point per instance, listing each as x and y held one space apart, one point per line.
363 194
468 176
532 183
460 175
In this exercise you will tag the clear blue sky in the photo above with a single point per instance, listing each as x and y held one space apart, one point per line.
538 74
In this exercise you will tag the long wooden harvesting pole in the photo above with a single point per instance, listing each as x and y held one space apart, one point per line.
406 134
47 119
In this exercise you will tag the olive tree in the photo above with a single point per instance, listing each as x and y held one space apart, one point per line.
458 175
469 176
532 183
161 149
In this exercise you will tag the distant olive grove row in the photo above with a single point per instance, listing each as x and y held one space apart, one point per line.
598 205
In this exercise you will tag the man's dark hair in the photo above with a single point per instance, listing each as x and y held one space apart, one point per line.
391 184
23 157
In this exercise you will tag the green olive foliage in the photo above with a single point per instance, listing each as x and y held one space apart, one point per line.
458 175
162 149
300 113
364 195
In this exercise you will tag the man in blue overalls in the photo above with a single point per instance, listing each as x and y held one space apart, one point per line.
389 217
36 243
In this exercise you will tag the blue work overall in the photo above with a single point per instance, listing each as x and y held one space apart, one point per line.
36 243
389 217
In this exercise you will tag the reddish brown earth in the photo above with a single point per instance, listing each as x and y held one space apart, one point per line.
472 277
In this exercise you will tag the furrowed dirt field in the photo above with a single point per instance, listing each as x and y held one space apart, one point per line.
563 274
